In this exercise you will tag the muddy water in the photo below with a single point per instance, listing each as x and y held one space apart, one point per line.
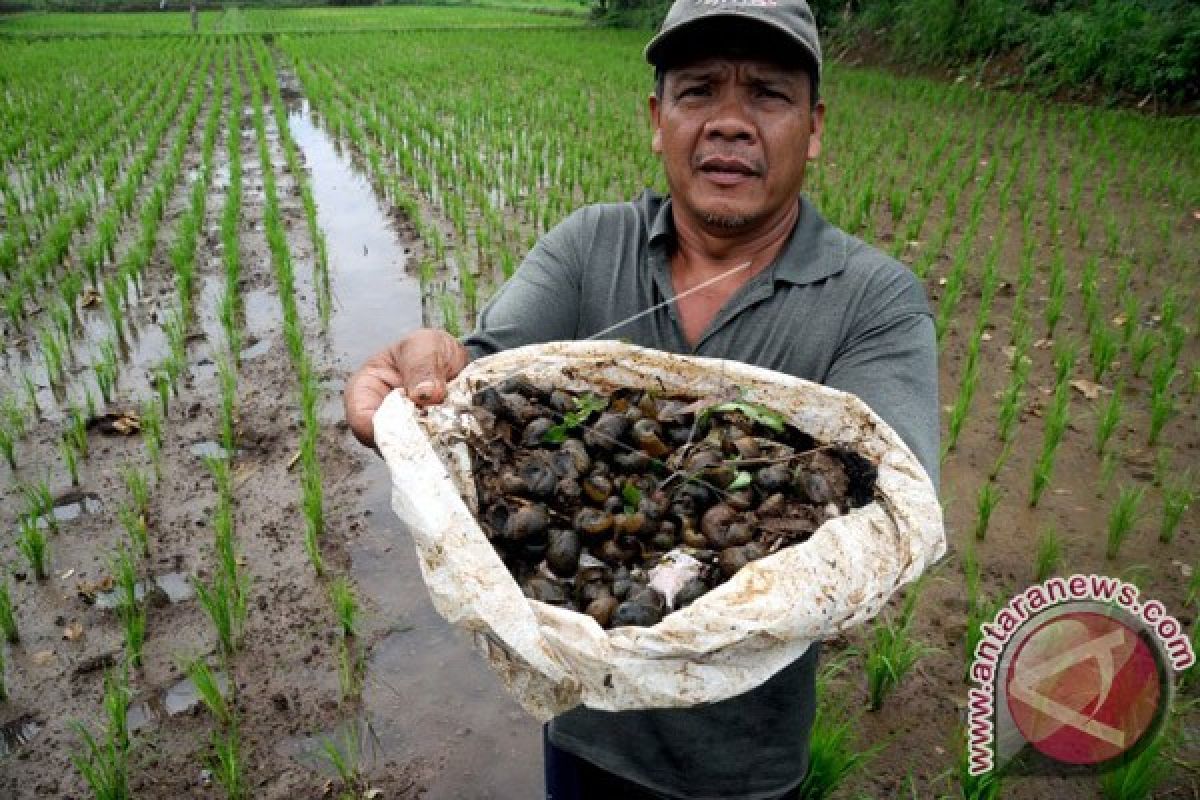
428 695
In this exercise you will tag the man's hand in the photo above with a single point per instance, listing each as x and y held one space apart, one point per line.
420 364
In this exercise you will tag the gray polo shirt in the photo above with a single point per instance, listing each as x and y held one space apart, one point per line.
831 309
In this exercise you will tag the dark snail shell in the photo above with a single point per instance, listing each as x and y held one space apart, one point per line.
562 552
593 523
733 559
527 521
606 432
773 479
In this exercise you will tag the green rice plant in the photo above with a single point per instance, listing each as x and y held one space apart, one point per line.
1136 778
1011 400
891 655
450 318
219 601
39 503
985 504
352 670
152 435
962 403
345 756
345 605
32 544
1057 298
832 758
1109 418
205 681
312 547
8 616
1177 499
77 430
8 446
1049 556
228 765
1162 407
66 446
228 411
1104 350
138 485
1057 419
104 762
1140 347
134 523
129 607
1122 518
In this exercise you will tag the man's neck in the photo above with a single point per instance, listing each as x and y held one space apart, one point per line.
704 250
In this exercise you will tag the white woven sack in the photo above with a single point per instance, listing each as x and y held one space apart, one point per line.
731 639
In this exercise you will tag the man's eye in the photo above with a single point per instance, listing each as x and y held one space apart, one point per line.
694 91
772 94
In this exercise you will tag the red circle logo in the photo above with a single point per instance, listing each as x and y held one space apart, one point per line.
1084 688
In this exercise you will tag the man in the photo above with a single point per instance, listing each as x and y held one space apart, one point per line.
735 264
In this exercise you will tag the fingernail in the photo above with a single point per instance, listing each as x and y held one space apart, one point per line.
424 390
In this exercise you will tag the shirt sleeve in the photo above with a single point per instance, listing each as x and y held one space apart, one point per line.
890 362
540 302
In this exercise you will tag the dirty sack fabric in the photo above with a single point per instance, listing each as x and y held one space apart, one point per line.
831 310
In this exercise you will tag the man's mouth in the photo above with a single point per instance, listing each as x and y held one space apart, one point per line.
726 170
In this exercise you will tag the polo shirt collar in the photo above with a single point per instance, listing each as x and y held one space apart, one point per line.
814 251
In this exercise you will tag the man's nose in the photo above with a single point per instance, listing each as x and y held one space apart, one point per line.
730 119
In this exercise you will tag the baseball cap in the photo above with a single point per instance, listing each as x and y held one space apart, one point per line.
789 22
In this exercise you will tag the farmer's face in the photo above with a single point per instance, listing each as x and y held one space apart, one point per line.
734 135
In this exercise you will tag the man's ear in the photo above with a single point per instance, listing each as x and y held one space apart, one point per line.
655 110
817 120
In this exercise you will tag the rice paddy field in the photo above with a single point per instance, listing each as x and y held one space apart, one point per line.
203 591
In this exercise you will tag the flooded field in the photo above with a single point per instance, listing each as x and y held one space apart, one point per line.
201 238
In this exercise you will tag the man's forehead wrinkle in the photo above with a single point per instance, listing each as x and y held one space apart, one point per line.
749 70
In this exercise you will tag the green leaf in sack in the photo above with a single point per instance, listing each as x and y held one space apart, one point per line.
759 413
585 405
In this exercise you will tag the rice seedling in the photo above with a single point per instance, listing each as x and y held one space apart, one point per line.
39 504
66 446
345 756
32 544
891 655
205 681
1136 778
1140 347
219 601
352 670
832 759
1057 419
151 422
1109 418
129 607
134 523
1104 350
228 411
1049 556
1011 400
345 605
8 615
77 429
8 446
227 763
1162 402
138 485
1177 499
104 761
986 500
1122 518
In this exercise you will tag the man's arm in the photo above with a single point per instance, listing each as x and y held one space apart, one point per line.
540 303
890 362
